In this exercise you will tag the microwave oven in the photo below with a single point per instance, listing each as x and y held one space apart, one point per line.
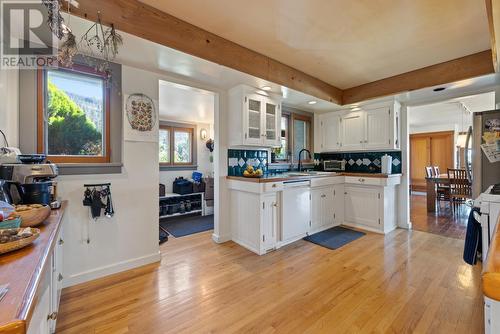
334 165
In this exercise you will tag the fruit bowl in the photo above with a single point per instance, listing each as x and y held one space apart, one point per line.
253 176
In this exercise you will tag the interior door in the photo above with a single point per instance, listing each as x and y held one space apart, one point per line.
442 150
353 131
419 159
330 132
253 120
377 128
271 122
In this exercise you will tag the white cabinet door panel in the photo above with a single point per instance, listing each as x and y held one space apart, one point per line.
353 131
316 209
272 123
330 132
253 120
338 204
362 206
269 221
377 128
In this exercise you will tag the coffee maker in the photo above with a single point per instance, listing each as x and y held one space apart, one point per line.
34 183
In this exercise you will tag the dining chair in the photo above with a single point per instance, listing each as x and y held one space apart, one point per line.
460 187
442 189
429 172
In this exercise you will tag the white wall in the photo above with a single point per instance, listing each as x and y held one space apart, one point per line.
9 106
203 159
130 238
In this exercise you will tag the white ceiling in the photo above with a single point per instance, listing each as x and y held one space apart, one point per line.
154 57
343 42
456 111
185 104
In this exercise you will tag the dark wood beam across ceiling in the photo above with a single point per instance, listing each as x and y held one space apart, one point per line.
139 19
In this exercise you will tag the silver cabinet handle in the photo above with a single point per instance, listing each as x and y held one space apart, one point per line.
323 196
52 316
61 241
361 180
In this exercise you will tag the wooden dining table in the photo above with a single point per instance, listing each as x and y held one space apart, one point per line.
431 183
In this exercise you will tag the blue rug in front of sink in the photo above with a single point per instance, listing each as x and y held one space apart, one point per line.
334 237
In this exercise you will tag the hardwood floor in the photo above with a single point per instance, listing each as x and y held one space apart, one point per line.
442 222
405 282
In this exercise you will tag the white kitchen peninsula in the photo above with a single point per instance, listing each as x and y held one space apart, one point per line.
270 212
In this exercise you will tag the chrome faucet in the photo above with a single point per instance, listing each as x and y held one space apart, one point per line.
300 157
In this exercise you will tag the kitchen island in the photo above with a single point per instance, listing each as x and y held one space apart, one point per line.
34 276
269 212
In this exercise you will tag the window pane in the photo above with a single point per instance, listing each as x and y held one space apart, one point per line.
74 114
182 147
300 138
282 152
164 146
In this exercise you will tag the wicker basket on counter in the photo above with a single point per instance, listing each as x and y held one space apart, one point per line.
18 244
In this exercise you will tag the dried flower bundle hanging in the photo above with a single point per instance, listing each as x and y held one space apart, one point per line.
54 19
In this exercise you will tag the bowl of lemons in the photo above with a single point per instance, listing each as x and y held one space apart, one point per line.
252 172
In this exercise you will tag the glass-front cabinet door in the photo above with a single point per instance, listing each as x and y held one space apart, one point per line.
272 123
253 120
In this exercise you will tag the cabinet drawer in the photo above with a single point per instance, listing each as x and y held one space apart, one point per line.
361 180
272 187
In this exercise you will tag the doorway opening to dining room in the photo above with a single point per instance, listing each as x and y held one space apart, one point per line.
439 157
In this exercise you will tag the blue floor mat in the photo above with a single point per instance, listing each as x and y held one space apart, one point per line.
182 226
334 237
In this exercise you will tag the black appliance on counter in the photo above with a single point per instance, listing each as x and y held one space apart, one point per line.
30 183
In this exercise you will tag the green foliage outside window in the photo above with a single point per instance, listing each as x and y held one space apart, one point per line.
70 131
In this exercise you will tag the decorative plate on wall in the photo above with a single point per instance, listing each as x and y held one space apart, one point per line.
141 112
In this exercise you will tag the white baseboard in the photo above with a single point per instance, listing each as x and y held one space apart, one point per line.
110 269
220 239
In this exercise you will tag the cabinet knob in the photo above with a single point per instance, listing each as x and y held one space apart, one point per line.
361 180
52 316
275 205
361 142
60 277
274 186
61 241
323 196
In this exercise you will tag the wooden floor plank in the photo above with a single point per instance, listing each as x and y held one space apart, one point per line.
404 282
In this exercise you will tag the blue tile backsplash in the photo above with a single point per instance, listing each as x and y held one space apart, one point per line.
238 160
363 162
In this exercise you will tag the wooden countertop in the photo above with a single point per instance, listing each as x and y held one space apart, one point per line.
491 267
22 270
278 178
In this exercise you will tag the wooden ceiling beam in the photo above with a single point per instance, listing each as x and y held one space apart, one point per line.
467 67
139 19
493 12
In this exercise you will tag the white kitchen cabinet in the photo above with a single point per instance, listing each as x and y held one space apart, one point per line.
353 131
373 127
371 203
362 206
254 119
269 221
322 209
330 132
377 129
338 204
46 310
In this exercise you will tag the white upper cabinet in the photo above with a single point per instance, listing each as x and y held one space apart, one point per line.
254 119
375 127
330 132
353 131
